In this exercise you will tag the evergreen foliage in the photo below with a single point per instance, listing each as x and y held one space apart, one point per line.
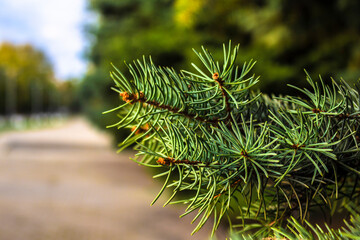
269 161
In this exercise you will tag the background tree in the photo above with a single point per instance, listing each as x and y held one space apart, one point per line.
68 96
285 37
28 84
27 80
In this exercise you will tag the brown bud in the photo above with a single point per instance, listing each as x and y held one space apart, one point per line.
215 76
163 161
141 129
316 110
216 196
133 129
244 154
125 96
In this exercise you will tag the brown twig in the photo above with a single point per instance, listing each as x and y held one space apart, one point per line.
317 110
168 161
346 116
133 98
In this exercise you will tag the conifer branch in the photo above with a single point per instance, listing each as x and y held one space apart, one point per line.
269 161
168 161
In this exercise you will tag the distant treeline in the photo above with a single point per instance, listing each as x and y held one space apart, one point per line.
28 84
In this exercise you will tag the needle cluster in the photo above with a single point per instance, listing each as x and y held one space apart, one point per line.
265 163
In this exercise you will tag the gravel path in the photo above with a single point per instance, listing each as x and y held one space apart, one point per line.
68 183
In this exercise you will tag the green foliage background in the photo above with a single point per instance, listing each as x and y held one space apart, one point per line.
284 37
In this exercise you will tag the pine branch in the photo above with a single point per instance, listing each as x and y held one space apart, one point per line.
267 160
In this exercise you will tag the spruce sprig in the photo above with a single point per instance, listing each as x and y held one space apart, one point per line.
270 161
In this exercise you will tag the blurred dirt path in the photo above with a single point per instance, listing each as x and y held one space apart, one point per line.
68 183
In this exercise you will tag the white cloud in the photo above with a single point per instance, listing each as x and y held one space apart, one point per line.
51 25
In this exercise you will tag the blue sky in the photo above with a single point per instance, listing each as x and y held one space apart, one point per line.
54 26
